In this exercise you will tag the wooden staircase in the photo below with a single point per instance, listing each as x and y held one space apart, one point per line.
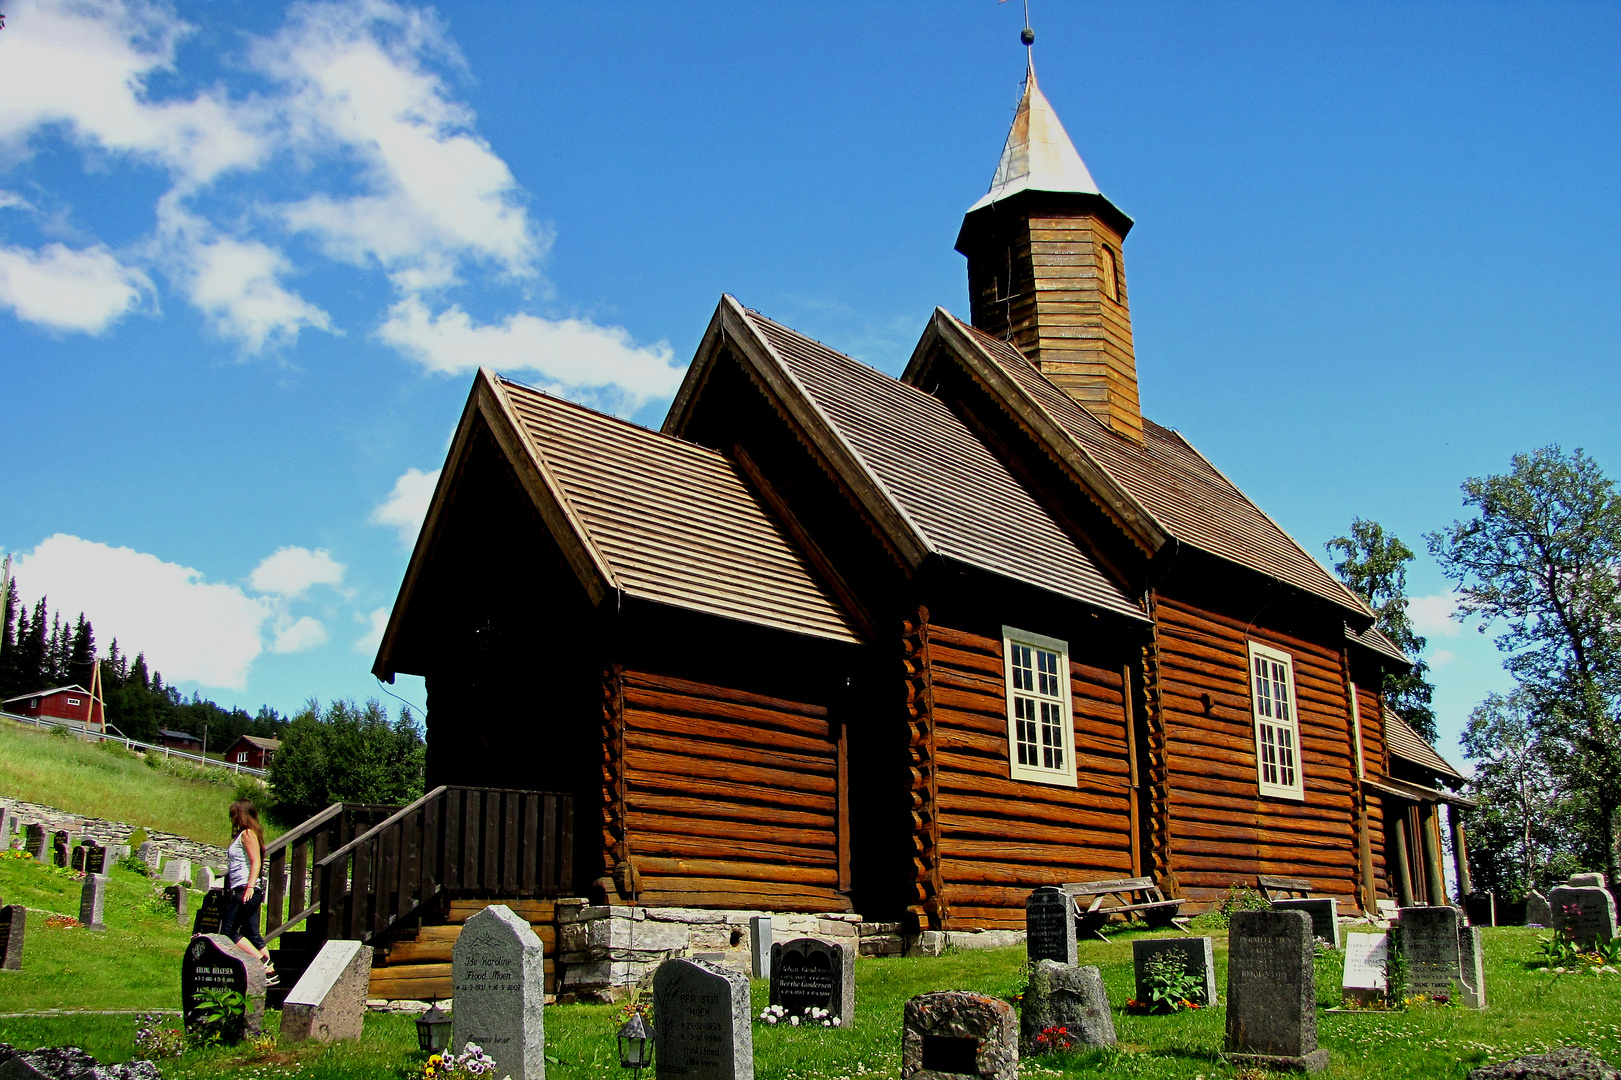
404 879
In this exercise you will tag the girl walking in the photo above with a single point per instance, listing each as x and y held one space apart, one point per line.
244 890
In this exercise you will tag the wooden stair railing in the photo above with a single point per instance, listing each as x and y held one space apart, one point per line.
293 892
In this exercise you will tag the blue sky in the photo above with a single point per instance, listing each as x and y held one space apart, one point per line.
250 255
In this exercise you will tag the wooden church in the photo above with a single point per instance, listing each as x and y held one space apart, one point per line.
831 641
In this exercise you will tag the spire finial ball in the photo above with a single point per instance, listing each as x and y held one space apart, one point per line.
1028 36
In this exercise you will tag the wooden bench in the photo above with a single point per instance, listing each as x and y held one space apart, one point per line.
1131 897
1283 888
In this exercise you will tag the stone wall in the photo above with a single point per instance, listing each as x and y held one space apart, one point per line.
169 845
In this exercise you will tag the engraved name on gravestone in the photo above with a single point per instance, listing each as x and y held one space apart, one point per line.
499 978
1365 958
808 973
92 901
1049 926
209 913
211 962
1068 997
1272 991
13 927
701 1024
1198 960
95 858
1584 913
1429 945
760 947
958 1033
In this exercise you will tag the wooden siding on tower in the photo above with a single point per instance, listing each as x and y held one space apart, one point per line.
731 799
998 838
1371 709
1222 830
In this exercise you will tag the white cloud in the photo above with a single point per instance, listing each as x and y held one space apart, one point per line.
291 571
576 355
298 635
236 284
407 504
1441 658
69 290
1432 615
10 200
191 630
375 624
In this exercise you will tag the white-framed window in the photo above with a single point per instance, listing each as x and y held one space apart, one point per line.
73 701
1277 726
1041 733
241 756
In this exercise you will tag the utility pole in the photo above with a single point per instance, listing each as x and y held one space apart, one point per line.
5 576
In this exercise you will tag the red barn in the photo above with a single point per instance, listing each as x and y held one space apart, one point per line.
71 703
252 752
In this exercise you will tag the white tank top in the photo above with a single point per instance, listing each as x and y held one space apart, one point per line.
237 863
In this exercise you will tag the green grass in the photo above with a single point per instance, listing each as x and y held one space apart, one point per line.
106 781
135 964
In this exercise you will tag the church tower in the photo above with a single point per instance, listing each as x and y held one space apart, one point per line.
1045 270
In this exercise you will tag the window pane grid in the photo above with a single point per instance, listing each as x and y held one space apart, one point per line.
1038 703
1276 755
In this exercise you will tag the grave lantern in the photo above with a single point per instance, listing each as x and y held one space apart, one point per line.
433 1030
636 1044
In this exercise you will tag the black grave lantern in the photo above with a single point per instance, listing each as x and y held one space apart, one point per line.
636 1044
433 1030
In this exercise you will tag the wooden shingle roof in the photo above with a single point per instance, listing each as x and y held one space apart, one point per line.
1409 745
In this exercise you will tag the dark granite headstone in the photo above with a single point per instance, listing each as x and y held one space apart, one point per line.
76 860
36 843
1537 911
1199 961
13 927
1481 908
957 1033
701 1024
809 973
212 962
210 913
1583 913
1324 912
1429 945
59 849
1049 926
1068 997
93 901
95 857
1272 991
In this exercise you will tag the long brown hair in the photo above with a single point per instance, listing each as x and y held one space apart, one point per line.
244 815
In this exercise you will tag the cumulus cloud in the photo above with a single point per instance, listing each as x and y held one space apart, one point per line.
1441 658
407 504
1432 615
191 629
296 635
291 571
375 624
64 289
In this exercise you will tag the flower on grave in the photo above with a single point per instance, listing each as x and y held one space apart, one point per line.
1054 1038
794 1020
773 1014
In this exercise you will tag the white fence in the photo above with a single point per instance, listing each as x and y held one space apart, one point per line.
132 744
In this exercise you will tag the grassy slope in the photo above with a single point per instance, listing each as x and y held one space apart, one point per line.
1528 1013
105 781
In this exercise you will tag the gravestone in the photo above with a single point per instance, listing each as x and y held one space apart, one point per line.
211 962
1481 907
1049 926
76 860
176 895
1365 958
957 1033
36 844
328 1002
1591 880
206 879
1272 991
13 927
1584 913
809 973
92 901
1325 916
117 851
59 849
1537 911
177 870
8 825
1064 996
149 854
1429 945
499 979
1199 961
1471 968
69 1063
759 947
95 857
701 1024
210 913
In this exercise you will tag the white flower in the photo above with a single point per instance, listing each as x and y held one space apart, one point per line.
794 1020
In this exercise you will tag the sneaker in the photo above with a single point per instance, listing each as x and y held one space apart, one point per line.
271 978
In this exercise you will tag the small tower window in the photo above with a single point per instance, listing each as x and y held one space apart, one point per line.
1109 270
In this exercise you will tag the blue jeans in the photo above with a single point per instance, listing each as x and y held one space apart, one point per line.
241 920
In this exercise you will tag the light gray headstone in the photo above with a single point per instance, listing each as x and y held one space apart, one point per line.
1365 958
811 973
1069 997
116 852
1537 911
759 947
499 977
1325 916
328 1003
1429 944
205 878
212 962
1272 991
701 1024
1049 926
13 928
149 854
1471 968
177 870
8 824
1583 913
1200 962
92 901
956 1033
1595 880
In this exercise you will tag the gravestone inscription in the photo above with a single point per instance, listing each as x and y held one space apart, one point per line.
76 860
702 1029
95 857
36 843
1272 992
93 901
1198 960
958 1033
499 978
1049 926
1429 945
212 963
1068 997
809 973
209 913
1366 956
1325 916
13 927
1583 913
177 870
328 1002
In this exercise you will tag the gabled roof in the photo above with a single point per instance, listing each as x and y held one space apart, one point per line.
261 742
1409 745
165 733
75 689
1179 492
934 487
1038 155
1375 639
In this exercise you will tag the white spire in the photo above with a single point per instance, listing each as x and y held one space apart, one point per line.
1038 155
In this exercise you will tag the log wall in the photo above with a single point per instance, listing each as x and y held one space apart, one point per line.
1222 831
1371 709
726 799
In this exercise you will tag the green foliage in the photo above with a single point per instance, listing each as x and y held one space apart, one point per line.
1374 564
134 864
217 1016
348 753
1238 897
1170 987
137 838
